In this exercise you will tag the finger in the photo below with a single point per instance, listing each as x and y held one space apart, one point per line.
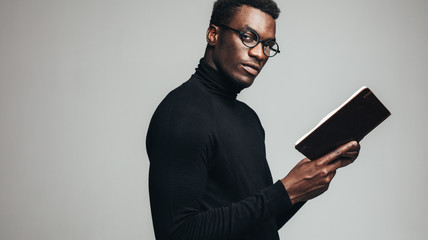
340 163
332 174
353 152
345 161
328 179
303 161
338 152
348 154
355 147
333 166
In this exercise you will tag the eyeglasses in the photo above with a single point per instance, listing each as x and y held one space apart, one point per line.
250 38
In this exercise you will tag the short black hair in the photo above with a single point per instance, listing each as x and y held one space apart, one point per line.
224 10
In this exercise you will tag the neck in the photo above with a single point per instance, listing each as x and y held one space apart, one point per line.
215 81
208 56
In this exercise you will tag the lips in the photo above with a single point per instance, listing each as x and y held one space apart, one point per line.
252 69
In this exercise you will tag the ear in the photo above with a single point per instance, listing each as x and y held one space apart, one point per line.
212 35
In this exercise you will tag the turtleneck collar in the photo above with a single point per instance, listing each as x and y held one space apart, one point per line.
216 82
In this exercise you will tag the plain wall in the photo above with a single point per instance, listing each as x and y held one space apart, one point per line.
79 81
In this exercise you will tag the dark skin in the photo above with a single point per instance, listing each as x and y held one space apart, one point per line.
309 179
226 53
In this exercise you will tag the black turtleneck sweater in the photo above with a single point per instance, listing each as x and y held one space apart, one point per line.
209 178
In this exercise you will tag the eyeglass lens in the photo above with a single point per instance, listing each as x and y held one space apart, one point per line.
251 39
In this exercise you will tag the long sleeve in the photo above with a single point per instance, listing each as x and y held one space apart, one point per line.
180 150
283 217
209 178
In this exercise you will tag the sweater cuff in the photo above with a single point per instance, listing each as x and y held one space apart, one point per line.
280 200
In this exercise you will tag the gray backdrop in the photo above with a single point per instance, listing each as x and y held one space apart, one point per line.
79 81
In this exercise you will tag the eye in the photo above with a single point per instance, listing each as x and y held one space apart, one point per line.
272 45
249 37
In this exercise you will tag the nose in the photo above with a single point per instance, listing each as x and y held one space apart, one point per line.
257 52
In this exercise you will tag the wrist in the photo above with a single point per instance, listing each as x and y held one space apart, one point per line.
286 187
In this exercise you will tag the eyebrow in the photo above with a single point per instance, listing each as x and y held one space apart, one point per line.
247 27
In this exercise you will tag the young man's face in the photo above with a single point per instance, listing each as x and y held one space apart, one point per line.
232 57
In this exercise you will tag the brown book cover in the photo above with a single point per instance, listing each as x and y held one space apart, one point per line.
353 120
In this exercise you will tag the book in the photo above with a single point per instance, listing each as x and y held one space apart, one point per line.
352 120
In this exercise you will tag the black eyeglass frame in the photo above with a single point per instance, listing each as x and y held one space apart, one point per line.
263 42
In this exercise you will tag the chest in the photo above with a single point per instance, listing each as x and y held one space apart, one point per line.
240 148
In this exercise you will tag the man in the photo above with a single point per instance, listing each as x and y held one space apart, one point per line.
209 178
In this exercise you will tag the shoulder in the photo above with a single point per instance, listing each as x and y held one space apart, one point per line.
251 114
185 110
189 99
249 110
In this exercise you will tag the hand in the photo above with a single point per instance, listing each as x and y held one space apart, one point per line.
309 179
